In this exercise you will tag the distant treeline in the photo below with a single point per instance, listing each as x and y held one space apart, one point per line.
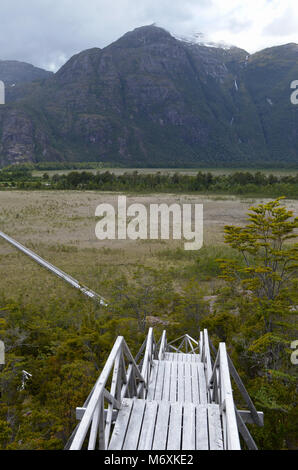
52 166
236 183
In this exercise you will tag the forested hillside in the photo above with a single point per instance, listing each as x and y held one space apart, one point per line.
150 99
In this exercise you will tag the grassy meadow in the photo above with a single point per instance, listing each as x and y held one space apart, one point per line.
60 226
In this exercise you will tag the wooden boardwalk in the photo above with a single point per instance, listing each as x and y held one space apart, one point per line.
170 397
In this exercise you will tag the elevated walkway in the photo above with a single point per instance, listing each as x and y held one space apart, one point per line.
170 397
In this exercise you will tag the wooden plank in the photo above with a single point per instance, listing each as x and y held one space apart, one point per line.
245 432
148 427
159 381
95 397
173 389
202 384
256 417
188 385
189 427
195 383
95 425
181 382
121 424
214 428
248 418
135 424
202 439
175 427
161 426
207 357
152 381
167 381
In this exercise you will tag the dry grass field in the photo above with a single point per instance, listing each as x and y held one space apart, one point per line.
60 226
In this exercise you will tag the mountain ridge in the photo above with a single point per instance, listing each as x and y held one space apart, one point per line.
150 99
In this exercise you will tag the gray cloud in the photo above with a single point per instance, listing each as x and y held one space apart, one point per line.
48 32
284 25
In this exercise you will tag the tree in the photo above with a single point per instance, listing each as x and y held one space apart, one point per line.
270 258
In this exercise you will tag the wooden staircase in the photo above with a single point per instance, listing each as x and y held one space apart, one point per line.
170 397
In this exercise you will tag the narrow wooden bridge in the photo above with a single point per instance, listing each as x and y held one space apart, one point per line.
170 397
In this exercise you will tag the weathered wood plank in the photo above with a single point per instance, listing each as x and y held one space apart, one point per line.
174 377
148 427
95 425
167 381
159 381
121 424
135 424
181 382
207 357
195 383
161 426
152 381
189 427
202 439
202 384
175 427
214 428
188 385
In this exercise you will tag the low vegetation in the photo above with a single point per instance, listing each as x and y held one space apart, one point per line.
62 339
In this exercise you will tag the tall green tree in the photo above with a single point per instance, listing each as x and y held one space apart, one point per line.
270 257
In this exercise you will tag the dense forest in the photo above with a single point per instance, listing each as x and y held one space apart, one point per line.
64 343
238 183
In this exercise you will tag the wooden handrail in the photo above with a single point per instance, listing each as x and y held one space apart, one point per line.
123 383
256 416
163 346
220 384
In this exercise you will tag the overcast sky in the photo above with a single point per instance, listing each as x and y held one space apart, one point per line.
48 32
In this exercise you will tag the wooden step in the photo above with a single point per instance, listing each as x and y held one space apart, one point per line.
175 381
181 357
160 425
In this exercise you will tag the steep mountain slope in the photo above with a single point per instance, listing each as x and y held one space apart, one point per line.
19 78
13 72
149 99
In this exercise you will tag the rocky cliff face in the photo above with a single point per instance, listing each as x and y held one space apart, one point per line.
151 100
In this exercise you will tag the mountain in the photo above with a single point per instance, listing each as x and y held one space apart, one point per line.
150 99
13 72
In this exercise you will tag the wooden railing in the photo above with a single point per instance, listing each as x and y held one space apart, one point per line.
149 355
186 344
94 429
223 362
163 346
220 390
126 377
205 354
